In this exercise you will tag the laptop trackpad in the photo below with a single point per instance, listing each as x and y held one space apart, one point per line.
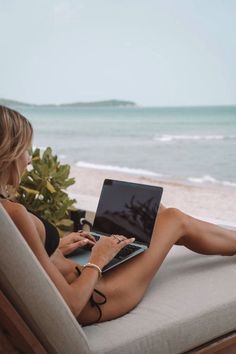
81 256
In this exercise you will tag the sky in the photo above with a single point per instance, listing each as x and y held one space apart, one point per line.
152 52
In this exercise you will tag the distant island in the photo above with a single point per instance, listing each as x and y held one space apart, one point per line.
107 103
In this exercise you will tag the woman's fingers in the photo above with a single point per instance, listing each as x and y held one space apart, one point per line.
90 237
73 241
107 248
84 241
73 246
87 235
128 240
83 235
122 239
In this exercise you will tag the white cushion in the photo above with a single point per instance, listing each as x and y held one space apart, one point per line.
192 300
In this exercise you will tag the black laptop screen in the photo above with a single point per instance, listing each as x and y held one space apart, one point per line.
127 209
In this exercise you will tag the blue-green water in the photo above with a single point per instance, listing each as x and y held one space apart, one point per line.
188 144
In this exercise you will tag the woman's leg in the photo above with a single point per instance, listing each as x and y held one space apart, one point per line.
126 284
206 238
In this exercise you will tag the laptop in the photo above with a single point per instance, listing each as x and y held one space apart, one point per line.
127 209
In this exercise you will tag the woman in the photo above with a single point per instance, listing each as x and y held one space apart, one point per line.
124 286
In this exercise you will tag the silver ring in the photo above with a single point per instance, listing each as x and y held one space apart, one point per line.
118 239
115 237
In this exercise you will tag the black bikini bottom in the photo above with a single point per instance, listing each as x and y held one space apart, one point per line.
93 302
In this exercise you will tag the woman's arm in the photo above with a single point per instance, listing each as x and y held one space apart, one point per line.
76 295
79 291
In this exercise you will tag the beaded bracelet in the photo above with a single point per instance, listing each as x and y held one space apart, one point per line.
95 266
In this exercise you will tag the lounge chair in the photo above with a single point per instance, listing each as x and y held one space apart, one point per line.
189 308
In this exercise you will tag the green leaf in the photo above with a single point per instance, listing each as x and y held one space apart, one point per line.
30 191
64 222
50 187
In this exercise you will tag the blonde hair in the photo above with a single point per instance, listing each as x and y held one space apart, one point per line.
16 134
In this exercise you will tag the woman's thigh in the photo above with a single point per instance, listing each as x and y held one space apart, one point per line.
125 285
123 290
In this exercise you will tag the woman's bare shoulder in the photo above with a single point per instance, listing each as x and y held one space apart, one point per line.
23 221
12 207
16 211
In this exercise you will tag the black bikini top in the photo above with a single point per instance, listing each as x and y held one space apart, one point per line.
52 238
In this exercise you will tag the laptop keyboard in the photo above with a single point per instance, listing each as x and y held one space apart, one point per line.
126 251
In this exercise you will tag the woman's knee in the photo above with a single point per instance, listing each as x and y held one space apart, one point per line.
178 217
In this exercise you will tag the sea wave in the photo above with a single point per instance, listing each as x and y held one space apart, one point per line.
135 171
210 179
169 138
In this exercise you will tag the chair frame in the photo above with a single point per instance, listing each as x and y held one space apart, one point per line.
222 345
16 336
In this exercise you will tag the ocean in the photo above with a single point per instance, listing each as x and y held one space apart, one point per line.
191 145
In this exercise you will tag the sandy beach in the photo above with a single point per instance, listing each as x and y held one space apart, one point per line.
209 202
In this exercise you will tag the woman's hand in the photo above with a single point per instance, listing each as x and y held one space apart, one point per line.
71 242
106 248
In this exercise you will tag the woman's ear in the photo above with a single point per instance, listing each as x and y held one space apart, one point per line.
13 178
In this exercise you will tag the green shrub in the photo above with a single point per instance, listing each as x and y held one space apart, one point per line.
42 189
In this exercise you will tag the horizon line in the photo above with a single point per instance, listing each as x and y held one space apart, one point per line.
116 100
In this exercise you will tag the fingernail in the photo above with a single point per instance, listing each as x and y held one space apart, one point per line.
85 241
133 238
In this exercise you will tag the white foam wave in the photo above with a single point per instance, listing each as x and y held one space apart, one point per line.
168 138
135 171
210 179
227 183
